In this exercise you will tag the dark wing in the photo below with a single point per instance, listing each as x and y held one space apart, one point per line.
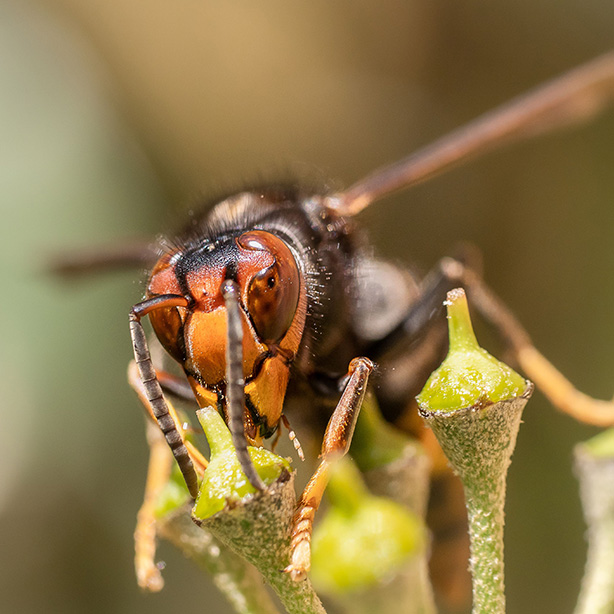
571 98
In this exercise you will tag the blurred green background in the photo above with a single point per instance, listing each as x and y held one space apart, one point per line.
115 116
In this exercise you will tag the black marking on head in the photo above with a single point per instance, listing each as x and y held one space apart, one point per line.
231 270
222 252
259 421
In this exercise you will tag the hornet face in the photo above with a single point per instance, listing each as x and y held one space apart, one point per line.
272 309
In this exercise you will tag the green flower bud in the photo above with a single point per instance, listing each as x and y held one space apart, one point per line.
255 525
474 404
469 376
363 539
224 481
376 443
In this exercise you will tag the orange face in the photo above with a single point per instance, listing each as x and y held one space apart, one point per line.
273 309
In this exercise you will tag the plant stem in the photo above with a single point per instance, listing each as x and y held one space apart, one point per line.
393 464
486 520
259 529
479 443
596 475
474 403
408 593
236 579
405 480
257 525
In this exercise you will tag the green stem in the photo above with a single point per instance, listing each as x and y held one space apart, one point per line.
297 598
479 445
236 579
256 525
408 592
397 467
405 479
259 529
473 403
393 464
596 474
486 520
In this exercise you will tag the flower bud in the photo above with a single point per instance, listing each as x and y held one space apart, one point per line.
362 540
224 482
469 376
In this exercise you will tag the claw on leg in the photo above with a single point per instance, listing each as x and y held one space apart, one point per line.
158 472
300 546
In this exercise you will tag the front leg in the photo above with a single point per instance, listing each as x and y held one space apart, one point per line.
337 439
158 473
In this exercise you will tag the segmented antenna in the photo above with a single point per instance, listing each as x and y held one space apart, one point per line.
154 393
235 384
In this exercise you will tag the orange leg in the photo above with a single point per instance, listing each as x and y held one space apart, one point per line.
337 439
148 575
158 473
453 273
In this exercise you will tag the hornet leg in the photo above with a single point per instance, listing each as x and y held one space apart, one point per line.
337 439
158 473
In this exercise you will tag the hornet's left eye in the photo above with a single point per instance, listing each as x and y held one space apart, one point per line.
273 292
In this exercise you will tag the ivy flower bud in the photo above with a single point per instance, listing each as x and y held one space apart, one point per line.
469 376
362 540
224 482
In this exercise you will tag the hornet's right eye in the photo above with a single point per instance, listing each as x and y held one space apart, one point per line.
273 292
